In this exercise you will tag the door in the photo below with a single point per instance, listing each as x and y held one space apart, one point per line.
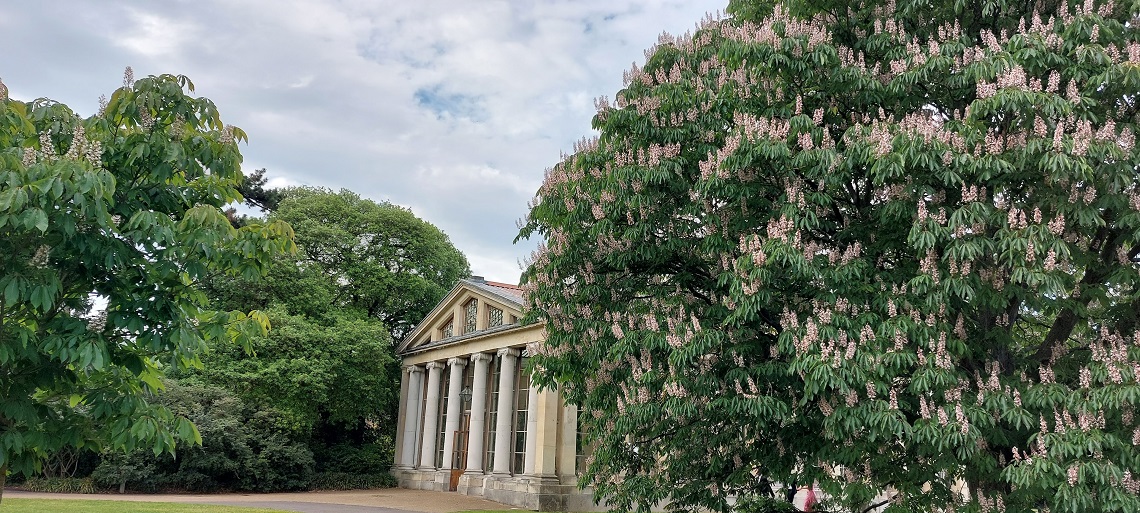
459 456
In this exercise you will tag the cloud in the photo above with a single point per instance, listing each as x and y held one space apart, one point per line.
155 36
452 108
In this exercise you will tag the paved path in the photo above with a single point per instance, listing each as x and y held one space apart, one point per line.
388 500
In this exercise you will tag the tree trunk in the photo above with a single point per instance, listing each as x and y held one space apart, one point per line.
3 479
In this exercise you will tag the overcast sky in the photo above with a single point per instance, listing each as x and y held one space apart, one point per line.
451 108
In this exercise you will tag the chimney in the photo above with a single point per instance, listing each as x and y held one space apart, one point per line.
477 279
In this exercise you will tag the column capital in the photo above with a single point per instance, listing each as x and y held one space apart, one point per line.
434 365
480 357
457 361
413 369
507 351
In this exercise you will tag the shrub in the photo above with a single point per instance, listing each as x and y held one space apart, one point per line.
139 469
59 485
368 458
243 448
350 481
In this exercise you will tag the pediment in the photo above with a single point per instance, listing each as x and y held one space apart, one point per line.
496 307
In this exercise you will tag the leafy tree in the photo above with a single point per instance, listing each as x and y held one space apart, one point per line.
341 372
888 247
120 210
376 259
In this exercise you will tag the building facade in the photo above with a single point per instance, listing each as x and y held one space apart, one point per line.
470 421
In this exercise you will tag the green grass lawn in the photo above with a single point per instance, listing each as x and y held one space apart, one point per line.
79 506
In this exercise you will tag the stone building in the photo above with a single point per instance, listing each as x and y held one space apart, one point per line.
469 420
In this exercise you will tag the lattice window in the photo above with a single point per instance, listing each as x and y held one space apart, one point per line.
522 397
449 329
441 431
494 317
579 447
472 313
492 415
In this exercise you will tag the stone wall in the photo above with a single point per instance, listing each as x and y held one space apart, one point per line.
528 492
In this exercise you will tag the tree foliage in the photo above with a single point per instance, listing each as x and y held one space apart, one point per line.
377 259
341 371
886 247
120 208
329 366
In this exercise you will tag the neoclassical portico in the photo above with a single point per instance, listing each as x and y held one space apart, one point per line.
469 420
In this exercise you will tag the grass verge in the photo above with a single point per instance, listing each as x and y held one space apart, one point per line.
95 506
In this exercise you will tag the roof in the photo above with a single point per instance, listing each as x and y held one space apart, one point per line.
505 291
511 296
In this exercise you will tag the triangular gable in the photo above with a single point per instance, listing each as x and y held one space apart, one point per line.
502 296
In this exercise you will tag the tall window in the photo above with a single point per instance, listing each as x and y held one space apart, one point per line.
441 434
579 446
492 415
494 317
518 448
462 442
449 329
471 312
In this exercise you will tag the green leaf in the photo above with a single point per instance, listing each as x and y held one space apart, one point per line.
38 218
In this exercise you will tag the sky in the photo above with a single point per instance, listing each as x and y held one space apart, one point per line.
452 108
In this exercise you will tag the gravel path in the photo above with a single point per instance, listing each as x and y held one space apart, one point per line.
389 500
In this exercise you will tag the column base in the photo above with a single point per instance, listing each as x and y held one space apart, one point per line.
536 493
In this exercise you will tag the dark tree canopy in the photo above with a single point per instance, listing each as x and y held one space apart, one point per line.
254 194
120 211
889 247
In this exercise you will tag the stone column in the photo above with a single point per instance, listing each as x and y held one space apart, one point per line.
411 409
531 430
454 408
506 410
401 418
567 440
547 437
478 412
431 416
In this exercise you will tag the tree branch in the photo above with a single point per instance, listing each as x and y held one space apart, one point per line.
877 504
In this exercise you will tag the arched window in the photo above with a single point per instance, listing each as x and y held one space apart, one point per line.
471 312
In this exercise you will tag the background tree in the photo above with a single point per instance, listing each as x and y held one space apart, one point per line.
124 207
886 247
377 259
332 383
329 366
254 194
